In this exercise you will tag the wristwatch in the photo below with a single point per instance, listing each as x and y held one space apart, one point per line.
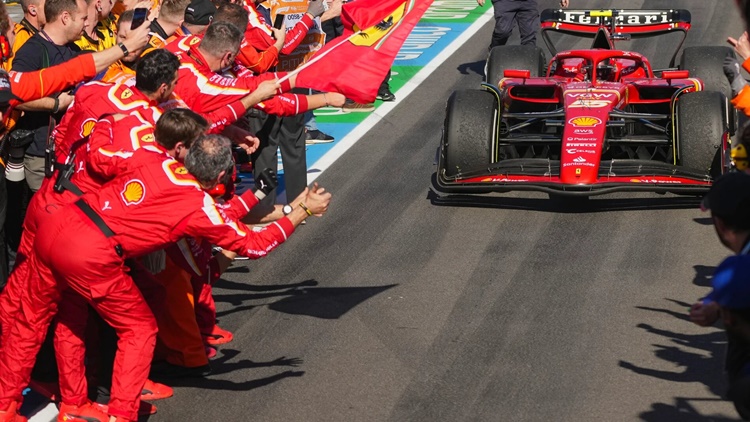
287 209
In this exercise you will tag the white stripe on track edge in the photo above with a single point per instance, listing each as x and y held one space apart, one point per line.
361 129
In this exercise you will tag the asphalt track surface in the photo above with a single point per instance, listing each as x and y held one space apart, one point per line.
393 307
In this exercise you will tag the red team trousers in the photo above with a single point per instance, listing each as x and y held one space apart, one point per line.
96 272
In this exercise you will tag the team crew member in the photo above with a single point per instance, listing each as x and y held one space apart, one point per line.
88 242
204 90
29 86
155 81
256 61
171 15
524 13
157 75
260 32
175 131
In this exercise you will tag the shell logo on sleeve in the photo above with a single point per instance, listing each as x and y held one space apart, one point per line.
87 127
133 192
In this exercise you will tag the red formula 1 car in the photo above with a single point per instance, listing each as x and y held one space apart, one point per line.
597 121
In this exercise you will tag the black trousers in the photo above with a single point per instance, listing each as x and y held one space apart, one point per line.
3 246
525 13
286 134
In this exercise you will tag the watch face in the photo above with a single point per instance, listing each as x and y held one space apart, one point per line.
287 209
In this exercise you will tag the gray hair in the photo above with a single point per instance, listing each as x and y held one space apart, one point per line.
208 157
221 38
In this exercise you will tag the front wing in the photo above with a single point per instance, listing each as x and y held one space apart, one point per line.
543 175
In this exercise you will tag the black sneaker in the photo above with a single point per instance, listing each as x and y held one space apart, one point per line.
386 95
317 137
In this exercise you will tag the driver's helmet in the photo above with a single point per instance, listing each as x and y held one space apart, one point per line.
606 70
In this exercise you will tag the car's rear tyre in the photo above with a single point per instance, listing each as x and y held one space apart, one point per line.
707 64
701 123
517 57
469 131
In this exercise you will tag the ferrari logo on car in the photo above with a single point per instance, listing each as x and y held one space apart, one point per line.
585 121
133 192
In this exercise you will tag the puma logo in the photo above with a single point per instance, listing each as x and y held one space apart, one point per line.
106 206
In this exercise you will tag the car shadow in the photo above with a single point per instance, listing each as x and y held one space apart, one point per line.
473 67
566 205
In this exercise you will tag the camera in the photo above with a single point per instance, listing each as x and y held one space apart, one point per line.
18 141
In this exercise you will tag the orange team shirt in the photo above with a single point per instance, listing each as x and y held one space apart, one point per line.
23 31
742 100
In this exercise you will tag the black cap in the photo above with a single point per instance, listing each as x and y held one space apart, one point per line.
200 12
729 199
6 95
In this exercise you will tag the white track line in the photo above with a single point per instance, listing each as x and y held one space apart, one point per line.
361 129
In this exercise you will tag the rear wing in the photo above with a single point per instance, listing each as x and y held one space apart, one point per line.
619 24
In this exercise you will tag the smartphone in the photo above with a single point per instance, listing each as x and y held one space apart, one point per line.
278 22
139 16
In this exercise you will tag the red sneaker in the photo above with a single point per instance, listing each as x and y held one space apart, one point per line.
88 412
156 391
217 337
50 390
11 415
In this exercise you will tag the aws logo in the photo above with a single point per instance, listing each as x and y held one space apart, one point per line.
133 193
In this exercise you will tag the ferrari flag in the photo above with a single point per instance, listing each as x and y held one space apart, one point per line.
355 63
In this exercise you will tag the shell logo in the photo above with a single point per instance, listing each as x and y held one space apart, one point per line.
127 93
134 192
87 127
585 121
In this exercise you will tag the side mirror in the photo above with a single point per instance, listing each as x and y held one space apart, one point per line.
513 73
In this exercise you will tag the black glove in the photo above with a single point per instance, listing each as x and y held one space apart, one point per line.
316 8
732 72
265 183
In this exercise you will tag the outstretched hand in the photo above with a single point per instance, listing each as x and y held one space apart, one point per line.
317 200
741 45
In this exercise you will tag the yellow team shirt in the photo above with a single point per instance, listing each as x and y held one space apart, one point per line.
104 32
